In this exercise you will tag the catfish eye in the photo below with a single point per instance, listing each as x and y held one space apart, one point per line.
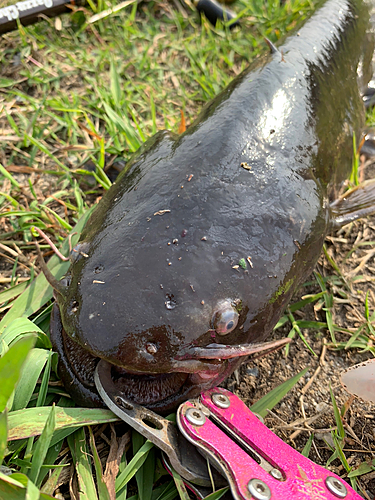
225 318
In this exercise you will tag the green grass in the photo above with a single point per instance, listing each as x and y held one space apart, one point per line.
73 102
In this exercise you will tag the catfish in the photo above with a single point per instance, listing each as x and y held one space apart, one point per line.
191 257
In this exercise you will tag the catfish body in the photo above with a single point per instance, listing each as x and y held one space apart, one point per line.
195 251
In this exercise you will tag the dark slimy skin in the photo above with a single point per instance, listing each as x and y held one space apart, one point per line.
158 286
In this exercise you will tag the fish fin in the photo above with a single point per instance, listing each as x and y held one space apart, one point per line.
354 204
272 47
360 380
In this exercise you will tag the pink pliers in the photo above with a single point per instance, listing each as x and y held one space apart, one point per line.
242 451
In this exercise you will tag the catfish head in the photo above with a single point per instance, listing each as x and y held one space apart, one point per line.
179 275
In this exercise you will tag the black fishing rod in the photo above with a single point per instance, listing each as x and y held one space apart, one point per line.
30 11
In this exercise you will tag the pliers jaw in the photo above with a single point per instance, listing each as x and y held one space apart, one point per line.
182 454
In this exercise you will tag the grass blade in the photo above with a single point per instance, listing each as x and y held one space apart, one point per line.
328 299
18 328
3 434
116 88
12 292
102 487
43 390
181 488
8 176
306 449
78 448
45 150
51 483
51 457
336 411
10 368
42 446
364 468
14 487
133 466
30 422
271 399
32 492
30 373
216 495
145 475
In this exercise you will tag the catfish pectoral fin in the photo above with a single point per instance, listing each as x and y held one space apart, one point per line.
219 351
354 204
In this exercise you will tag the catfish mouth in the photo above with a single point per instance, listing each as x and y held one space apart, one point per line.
160 392
147 389
199 366
197 370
